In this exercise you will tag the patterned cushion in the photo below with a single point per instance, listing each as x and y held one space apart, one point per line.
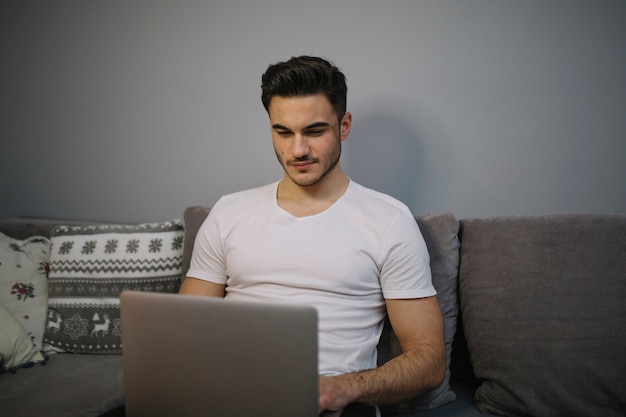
16 347
24 283
91 265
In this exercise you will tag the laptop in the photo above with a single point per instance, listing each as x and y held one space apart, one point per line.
201 356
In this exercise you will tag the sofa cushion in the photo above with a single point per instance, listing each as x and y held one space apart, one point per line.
24 282
91 265
440 233
193 218
542 300
70 385
16 347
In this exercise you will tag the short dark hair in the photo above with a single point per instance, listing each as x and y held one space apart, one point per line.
305 76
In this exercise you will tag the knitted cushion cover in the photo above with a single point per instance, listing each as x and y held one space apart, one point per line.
91 265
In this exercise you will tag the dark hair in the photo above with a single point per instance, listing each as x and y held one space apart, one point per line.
305 76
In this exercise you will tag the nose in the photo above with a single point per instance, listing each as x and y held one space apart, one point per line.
300 146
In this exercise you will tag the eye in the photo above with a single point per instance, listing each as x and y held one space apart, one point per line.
315 132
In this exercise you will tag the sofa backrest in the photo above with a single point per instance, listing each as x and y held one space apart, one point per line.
542 301
23 227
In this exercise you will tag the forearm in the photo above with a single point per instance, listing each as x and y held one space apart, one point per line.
413 372
421 366
403 377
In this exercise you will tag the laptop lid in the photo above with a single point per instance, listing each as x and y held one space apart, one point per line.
202 356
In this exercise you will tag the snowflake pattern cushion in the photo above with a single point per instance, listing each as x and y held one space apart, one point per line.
91 265
24 282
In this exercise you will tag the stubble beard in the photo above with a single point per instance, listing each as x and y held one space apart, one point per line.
329 162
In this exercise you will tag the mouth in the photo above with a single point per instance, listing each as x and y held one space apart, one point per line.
302 165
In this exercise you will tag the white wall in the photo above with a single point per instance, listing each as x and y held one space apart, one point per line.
132 110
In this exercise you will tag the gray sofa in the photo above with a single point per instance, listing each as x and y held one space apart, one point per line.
534 323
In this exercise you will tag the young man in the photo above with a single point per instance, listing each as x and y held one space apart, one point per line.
316 237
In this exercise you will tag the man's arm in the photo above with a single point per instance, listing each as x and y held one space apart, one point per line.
421 366
195 286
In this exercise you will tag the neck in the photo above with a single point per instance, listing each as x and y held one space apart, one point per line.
313 199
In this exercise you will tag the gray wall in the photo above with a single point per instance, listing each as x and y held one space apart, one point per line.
133 110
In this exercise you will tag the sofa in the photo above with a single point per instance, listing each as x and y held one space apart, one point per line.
533 312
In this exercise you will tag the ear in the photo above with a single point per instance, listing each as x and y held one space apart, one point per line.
345 126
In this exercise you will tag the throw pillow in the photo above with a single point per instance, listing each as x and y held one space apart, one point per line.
24 282
16 347
91 265
542 300
440 232
194 216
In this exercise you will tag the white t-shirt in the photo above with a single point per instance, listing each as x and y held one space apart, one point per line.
344 261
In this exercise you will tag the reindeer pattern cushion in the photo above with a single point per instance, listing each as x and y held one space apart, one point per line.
91 265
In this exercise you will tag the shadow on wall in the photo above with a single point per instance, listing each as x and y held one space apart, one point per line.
384 153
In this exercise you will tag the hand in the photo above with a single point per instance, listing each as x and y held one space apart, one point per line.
334 393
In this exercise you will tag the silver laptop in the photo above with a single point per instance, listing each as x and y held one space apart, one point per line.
201 356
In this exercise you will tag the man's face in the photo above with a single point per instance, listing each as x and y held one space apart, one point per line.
307 136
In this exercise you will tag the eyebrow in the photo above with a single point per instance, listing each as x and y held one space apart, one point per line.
315 125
